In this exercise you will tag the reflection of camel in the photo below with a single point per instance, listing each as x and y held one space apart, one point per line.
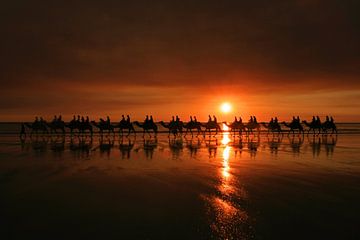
37 127
174 127
123 124
273 127
106 146
193 146
146 126
329 143
211 125
192 125
125 148
212 145
149 147
294 126
58 144
253 144
103 126
176 146
236 126
315 144
274 144
313 126
82 146
296 143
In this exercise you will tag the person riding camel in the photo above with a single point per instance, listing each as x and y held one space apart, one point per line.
128 118
108 120
254 119
59 118
177 119
209 119
318 121
78 119
331 119
122 118
87 119
191 119
82 119
215 120
151 119
240 120
251 119
173 119
195 120
276 120
235 119
55 119
146 119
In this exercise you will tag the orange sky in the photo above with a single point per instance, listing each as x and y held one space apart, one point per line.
268 58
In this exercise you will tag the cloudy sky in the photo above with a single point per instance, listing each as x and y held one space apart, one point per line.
161 57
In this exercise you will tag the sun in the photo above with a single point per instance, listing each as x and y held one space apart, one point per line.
225 107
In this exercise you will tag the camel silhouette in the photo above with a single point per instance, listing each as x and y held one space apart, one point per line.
211 125
313 126
125 125
192 125
294 125
252 126
173 127
147 126
36 127
236 126
103 126
56 125
272 127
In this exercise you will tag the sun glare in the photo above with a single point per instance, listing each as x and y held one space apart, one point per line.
225 107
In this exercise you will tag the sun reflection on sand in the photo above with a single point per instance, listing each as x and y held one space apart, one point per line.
228 219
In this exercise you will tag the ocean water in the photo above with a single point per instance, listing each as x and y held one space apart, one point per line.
221 186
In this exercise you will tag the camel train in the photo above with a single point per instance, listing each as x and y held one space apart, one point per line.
83 125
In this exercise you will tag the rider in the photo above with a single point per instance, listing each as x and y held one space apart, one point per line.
235 119
254 119
240 120
209 119
177 118
151 119
128 118
215 120
87 119
123 118
108 120
251 119
276 120
195 120
147 119
60 118
55 119
191 119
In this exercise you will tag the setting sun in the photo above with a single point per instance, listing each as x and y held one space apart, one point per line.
225 107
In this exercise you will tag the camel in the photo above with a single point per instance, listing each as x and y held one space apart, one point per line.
211 125
273 127
81 126
174 127
329 125
251 126
192 125
313 126
55 125
103 126
294 126
236 126
36 127
146 126
123 124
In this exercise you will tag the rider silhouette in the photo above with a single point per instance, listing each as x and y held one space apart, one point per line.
87 119
60 118
195 120
254 119
147 119
240 120
215 120
123 118
191 119
209 119
235 119
177 118
128 118
108 120
276 120
151 119
251 119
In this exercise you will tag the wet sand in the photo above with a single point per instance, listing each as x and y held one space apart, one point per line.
266 187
